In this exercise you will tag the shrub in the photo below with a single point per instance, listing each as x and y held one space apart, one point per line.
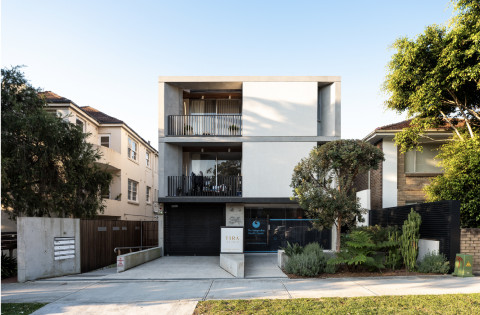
434 263
359 250
331 267
291 250
393 258
311 262
409 239
9 266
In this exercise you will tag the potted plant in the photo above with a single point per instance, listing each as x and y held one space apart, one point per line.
233 129
187 130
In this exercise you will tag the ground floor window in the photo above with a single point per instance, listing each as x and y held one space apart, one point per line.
268 229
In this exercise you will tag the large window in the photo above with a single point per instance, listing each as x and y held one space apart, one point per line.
132 190
80 124
132 149
147 158
422 162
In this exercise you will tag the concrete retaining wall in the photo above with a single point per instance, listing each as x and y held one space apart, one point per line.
47 247
233 264
131 260
470 244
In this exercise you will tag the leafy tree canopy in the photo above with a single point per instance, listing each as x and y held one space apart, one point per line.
48 169
435 78
461 179
323 182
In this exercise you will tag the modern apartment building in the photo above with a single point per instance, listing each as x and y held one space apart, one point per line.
401 177
131 160
227 148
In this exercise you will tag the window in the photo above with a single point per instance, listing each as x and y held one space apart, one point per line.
147 157
132 190
422 162
132 149
148 194
79 123
105 141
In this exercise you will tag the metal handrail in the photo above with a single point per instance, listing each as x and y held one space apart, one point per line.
221 186
205 125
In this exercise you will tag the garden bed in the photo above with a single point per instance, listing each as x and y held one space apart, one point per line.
345 273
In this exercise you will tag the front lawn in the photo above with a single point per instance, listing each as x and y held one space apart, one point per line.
20 308
405 304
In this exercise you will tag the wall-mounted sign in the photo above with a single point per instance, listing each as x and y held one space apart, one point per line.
64 247
231 240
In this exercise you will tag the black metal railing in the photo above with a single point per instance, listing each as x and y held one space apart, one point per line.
205 125
223 186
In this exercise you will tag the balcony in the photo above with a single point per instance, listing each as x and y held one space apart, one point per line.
205 125
207 186
110 158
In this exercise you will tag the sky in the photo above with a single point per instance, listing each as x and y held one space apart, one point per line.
109 54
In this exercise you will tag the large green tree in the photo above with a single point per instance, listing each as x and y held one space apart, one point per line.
435 78
323 182
460 161
48 168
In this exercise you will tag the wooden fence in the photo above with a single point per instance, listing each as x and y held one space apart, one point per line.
98 239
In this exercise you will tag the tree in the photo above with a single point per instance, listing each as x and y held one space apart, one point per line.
435 78
323 182
48 169
461 179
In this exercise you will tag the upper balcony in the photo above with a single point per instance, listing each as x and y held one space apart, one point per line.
110 158
205 125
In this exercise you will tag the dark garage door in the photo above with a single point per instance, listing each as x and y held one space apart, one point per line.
193 229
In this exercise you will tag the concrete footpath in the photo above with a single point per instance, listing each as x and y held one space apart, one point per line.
97 296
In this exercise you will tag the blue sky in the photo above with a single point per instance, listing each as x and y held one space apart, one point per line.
109 54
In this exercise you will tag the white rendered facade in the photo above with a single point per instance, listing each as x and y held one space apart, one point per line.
281 119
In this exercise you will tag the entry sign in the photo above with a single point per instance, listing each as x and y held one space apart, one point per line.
231 240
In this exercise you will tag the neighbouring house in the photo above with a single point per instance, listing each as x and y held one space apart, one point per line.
131 160
401 177
227 148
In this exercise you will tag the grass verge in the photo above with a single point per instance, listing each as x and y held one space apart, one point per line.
405 304
20 308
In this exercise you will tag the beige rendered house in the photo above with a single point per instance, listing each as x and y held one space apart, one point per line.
132 161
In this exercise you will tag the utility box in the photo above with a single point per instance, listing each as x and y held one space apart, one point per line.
463 265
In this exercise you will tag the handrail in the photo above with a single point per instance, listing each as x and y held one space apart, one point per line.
223 186
205 125
130 247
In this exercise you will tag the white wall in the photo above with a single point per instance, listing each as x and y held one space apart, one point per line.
280 108
35 252
267 167
364 196
330 119
389 174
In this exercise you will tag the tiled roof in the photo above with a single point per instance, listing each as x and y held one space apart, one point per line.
406 123
102 118
51 97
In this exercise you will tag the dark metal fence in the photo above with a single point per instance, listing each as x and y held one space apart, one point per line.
205 125
440 221
229 186
98 239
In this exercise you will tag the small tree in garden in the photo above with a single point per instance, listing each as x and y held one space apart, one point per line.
323 182
409 239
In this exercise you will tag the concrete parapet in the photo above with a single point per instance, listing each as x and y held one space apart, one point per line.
233 264
131 260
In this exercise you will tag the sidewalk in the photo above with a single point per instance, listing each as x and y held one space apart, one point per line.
103 296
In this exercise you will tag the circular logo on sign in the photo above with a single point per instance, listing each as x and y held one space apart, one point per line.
256 224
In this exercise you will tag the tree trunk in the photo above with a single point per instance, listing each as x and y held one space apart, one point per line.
339 229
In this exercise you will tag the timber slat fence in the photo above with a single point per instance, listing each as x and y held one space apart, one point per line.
100 237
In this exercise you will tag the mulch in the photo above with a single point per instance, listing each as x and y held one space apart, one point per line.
345 273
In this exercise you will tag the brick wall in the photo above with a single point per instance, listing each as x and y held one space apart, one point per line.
470 244
376 185
410 186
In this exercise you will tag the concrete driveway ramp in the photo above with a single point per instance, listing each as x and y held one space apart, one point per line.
233 264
